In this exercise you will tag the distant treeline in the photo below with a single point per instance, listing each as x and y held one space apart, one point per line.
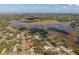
62 17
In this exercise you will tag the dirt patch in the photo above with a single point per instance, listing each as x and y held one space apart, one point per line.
45 22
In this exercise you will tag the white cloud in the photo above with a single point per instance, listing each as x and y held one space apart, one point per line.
64 6
77 4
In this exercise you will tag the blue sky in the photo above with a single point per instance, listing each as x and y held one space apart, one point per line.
39 8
